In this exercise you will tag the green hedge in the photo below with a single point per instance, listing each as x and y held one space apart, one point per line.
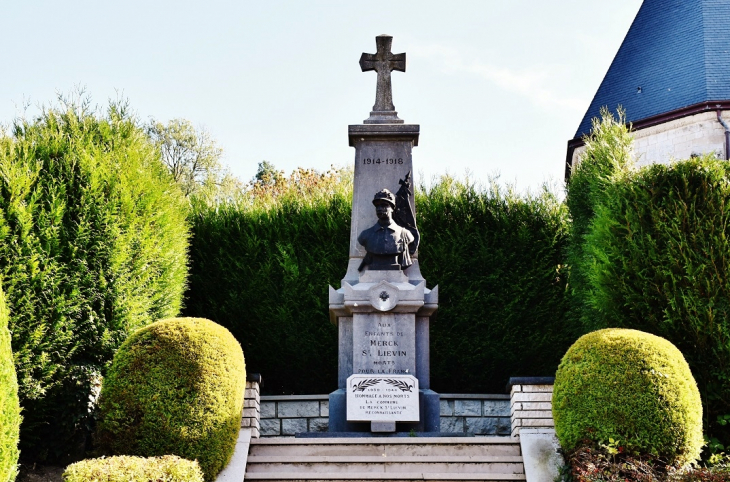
497 258
168 468
660 262
264 273
9 406
175 387
631 387
608 157
93 240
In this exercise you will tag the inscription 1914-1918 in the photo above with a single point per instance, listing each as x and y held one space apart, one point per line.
385 162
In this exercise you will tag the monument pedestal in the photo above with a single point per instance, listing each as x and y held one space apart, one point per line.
383 331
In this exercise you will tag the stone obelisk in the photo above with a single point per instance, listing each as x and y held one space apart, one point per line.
383 307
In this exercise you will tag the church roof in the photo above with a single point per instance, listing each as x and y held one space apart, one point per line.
676 54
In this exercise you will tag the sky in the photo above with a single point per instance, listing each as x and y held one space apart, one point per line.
498 87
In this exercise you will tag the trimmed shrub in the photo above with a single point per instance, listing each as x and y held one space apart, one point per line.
9 407
175 387
262 270
93 240
660 246
168 468
632 387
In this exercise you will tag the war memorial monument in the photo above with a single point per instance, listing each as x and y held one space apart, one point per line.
384 422
383 307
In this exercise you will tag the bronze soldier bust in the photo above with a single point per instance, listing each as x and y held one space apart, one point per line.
387 243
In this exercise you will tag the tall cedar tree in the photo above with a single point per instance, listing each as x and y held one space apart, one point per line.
93 244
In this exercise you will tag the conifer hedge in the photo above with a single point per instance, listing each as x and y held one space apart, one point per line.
263 272
660 262
9 407
498 260
93 240
607 158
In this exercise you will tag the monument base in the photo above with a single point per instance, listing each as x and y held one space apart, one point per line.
428 402
380 434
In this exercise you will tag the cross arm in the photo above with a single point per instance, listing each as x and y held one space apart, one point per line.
367 62
398 62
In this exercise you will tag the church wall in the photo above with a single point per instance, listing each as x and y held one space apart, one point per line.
680 139
677 139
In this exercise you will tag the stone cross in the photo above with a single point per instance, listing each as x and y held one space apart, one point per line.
383 62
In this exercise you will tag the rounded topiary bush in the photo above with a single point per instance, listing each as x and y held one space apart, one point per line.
633 387
9 407
175 387
123 468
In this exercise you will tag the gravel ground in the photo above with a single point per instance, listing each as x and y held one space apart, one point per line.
40 473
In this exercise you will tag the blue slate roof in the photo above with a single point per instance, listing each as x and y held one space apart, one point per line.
677 52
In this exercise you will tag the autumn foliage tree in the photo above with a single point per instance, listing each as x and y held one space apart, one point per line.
193 157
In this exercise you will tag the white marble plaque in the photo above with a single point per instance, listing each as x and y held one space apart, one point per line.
382 398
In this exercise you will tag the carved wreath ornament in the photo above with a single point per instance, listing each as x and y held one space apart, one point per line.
360 387
399 384
371 382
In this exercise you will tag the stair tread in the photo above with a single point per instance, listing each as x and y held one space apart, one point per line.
386 441
380 476
268 459
388 459
376 450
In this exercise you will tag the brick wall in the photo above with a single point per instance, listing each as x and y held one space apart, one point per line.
252 405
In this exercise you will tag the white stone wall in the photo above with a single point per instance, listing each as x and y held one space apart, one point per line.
679 139
531 406
251 409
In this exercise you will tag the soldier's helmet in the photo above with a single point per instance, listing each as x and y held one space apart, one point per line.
384 195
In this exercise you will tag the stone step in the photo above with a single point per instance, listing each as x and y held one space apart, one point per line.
392 477
387 469
462 446
386 451
329 459
400 465
381 458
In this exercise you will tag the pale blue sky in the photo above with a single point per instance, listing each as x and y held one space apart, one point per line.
497 86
